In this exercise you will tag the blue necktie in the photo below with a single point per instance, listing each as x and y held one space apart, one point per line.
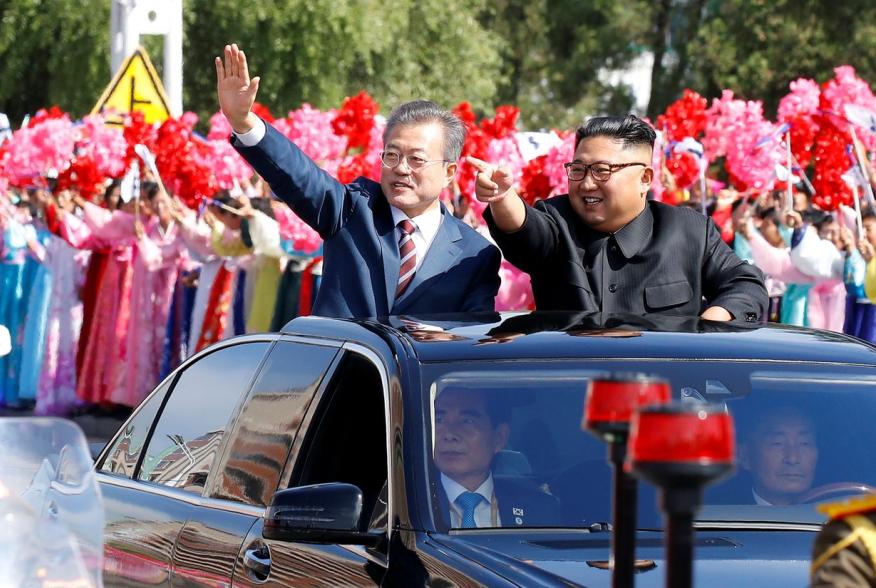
468 502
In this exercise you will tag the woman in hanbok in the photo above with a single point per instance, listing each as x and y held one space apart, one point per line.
159 253
17 270
111 231
815 252
56 389
769 252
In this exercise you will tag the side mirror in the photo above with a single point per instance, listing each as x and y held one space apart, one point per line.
321 513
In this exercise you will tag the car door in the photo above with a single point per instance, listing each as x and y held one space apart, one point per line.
154 473
343 438
248 473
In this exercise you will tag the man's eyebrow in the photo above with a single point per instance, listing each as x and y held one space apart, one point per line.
472 412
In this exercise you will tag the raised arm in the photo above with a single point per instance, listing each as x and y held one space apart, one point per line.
319 199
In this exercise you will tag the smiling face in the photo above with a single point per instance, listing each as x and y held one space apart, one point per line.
414 192
782 455
609 206
466 439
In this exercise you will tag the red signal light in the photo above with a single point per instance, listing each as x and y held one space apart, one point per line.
685 440
611 402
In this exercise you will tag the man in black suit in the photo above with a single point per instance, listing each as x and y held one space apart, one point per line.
471 427
605 247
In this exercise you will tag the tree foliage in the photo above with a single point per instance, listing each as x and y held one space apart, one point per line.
549 57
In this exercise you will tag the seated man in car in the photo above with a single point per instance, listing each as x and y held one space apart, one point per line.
780 453
471 427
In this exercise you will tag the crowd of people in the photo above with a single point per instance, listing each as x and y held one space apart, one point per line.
105 296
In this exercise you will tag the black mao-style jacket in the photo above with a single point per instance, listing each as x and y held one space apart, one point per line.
668 260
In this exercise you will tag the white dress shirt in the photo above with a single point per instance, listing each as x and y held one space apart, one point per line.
426 228
252 136
483 510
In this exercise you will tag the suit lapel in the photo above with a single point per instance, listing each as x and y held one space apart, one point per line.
443 251
387 236
510 513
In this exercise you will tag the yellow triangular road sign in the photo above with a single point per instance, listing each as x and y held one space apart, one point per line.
135 87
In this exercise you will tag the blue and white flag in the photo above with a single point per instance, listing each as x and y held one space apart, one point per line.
694 147
862 117
773 136
130 186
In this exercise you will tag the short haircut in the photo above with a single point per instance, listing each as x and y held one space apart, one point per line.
420 112
496 402
868 214
631 131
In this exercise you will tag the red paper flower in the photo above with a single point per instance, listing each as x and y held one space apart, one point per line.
504 123
83 176
686 117
44 115
535 184
355 119
831 162
684 168
137 131
263 111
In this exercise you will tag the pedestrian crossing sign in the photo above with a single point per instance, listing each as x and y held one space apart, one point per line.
136 87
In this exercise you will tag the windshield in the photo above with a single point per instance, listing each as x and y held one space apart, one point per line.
509 451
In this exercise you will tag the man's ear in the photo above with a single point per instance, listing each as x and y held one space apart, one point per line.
450 173
647 178
500 437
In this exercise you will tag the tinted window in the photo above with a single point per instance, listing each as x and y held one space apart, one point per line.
263 435
193 422
122 458
514 434
347 436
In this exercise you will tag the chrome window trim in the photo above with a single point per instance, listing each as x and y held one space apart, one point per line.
181 495
374 358
265 337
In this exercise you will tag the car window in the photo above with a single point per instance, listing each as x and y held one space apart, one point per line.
122 458
191 427
346 440
513 434
263 434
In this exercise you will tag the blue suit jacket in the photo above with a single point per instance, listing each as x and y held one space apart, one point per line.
460 272
520 504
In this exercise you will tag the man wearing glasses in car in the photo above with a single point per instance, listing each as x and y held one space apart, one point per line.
605 247
389 247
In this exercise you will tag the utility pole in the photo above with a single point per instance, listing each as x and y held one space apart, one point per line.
129 19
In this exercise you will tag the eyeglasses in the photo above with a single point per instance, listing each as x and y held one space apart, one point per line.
392 159
600 171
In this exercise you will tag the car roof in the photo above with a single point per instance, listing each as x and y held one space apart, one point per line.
540 335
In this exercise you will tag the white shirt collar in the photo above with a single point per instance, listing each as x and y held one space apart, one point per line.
758 499
426 223
453 489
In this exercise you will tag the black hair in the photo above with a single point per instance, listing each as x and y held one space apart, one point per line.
867 214
769 214
631 130
497 403
109 190
148 190
223 197
262 205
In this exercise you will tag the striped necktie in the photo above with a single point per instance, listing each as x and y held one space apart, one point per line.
408 254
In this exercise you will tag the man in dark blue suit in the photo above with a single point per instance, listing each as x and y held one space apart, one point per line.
389 247
471 427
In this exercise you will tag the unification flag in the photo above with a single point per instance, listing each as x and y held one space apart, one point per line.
862 117
773 136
